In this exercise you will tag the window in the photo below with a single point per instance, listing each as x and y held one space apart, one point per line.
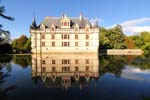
65 44
43 62
53 36
53 61
53 69
65 23
65 36
43 69
76 68
76 43
87 36
43 43
87 43
76 61
43 36
76 36
76 29
52 28
87 61
66 61
65 69
53 44
87 68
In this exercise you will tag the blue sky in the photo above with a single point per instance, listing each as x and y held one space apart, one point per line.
133 15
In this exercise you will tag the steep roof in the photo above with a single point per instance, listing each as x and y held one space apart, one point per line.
48 21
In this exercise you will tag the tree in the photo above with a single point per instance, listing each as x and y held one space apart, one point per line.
113 38
22 44
142 42
28 44
4 35
2 11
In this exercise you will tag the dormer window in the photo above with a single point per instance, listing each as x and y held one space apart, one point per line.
42 27
87 28
76 27
65 22
53 27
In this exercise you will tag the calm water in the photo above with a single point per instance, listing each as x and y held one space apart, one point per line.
74 77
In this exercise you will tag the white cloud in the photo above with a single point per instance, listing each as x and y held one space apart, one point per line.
131 27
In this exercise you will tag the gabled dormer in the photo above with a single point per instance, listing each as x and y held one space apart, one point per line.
65 22
76 27
42 26
53 27
87 27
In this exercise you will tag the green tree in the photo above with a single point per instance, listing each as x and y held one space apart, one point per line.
22 44
142 41
21 41
28 44
113 38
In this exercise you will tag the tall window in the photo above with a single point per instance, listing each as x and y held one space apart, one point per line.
65 36
53 36
87 36
76 61
87 68
43 43
43 61
76 68
52 28
87 43
65 23
43 69
53 69
43 36
65 69
76 36
76 43
53 44
65 44
66 61
87 61
53 61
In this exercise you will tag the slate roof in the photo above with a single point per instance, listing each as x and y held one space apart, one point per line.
48 21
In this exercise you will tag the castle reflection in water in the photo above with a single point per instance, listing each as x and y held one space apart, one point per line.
65 70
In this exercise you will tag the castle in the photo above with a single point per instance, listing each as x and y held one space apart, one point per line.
64 34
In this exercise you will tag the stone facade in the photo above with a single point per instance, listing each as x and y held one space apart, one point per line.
64 34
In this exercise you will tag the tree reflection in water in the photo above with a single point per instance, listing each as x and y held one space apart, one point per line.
115 64
22 60
5 70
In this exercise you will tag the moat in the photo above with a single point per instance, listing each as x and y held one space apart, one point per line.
74 77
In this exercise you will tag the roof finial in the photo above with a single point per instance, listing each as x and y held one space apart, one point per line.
80 17
65 15
33 25
96 22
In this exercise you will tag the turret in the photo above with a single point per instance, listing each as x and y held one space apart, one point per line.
33 25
